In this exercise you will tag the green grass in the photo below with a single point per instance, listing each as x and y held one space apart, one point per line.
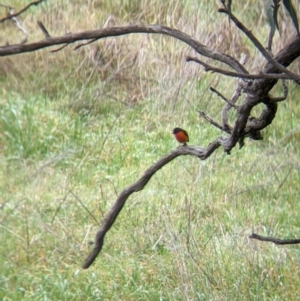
76 128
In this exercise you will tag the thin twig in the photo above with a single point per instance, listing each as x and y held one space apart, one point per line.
235 96
59 48
214 123
282 182
43 29
10 16
239 75
223 97
84 44
273 10
83 205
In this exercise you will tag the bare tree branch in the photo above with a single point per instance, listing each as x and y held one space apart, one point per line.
43 29
239 75
235 96
259 46
118 31
84 44
59 48
10 16
274 240
224 98
214 123
285 93
111 216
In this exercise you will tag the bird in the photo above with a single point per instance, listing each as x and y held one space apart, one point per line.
181 135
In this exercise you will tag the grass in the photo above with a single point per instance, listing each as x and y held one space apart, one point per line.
78 127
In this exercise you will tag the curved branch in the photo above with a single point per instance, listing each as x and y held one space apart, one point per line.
111 216
266 117
118 31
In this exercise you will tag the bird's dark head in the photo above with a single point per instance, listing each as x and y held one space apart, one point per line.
176 130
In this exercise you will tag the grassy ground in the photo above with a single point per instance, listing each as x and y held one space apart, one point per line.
78 127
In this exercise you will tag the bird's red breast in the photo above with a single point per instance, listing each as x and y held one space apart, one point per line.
181 135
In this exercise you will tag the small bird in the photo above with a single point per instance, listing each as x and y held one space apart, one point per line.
181 135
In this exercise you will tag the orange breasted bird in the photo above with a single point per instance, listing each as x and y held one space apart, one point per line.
181 135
